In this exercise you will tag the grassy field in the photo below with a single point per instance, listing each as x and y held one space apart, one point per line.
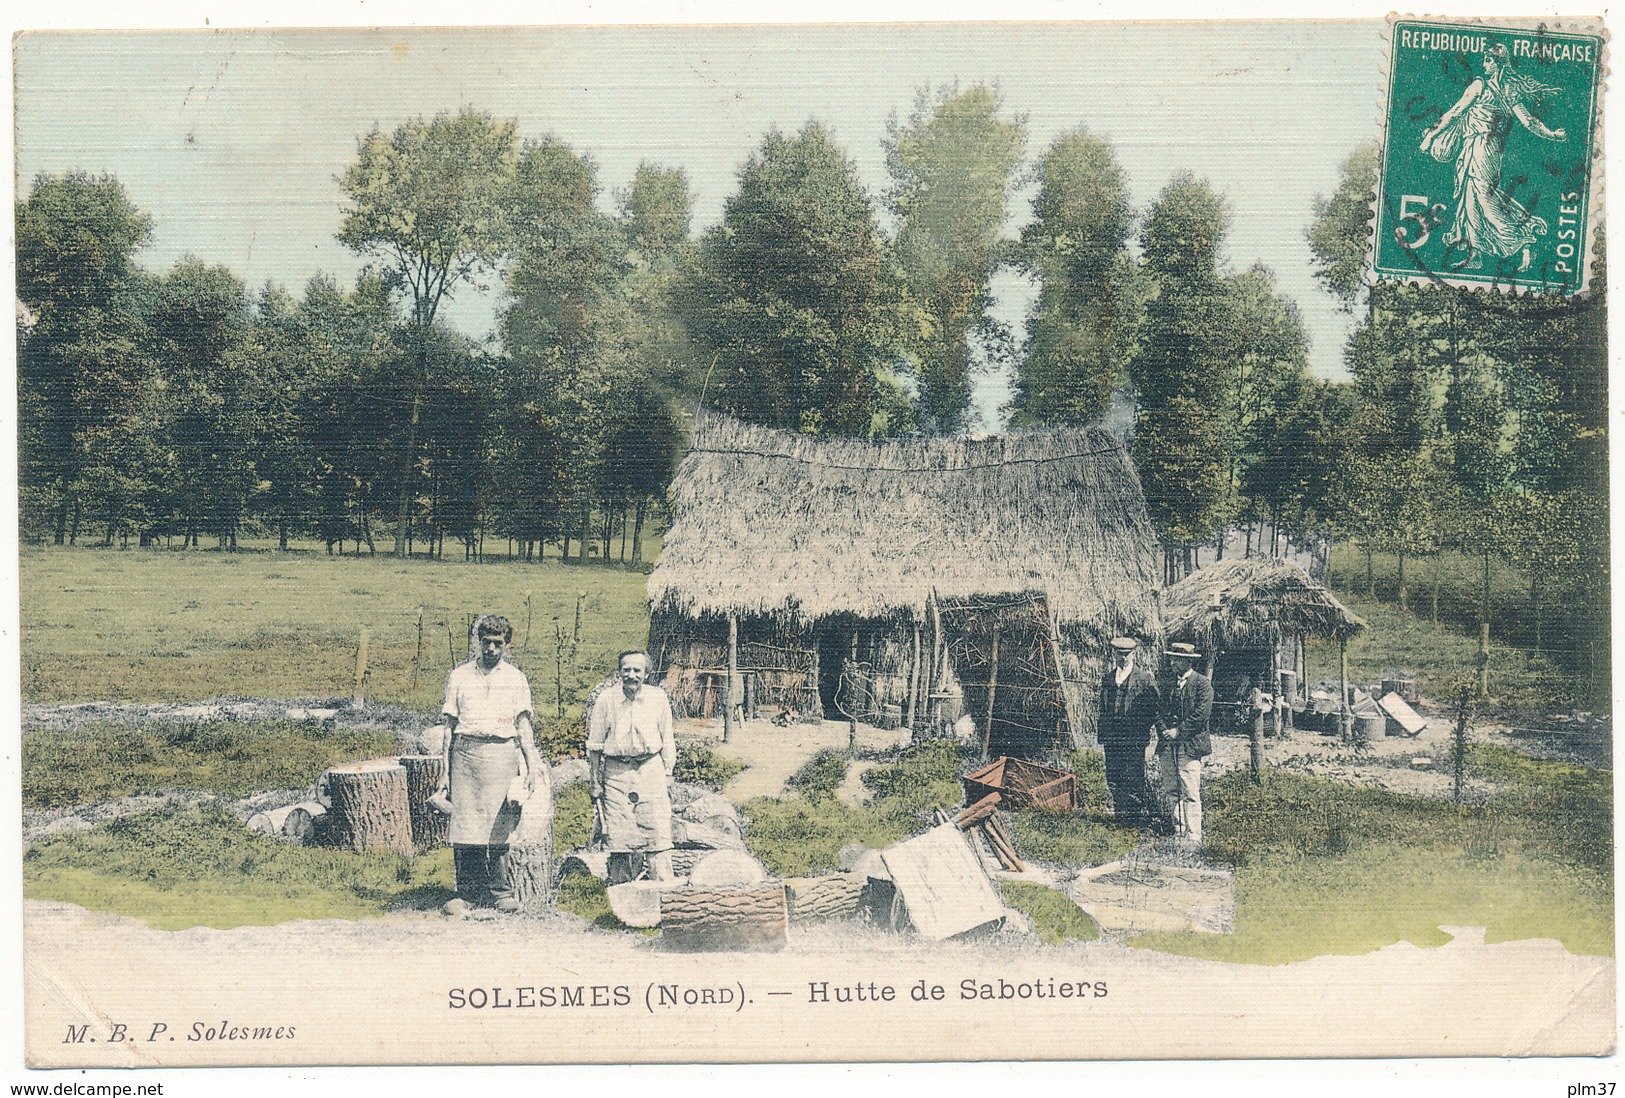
159 625
1320 867
1570 669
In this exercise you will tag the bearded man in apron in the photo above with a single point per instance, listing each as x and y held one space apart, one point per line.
630 756
492 742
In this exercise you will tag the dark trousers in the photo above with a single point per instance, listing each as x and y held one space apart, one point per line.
482 872
1125 779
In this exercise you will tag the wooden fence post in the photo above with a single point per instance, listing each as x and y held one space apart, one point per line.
361 669
728 695
992 687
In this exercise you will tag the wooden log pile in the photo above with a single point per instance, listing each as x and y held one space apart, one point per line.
983 820
302 822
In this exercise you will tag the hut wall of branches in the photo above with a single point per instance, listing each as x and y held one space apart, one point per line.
858 579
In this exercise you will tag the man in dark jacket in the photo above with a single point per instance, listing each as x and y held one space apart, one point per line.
1183 742
1129 704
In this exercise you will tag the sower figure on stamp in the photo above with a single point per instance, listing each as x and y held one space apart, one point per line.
492 742
1183 742
631 752
1129 705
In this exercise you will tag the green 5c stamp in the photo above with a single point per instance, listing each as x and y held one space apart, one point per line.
1489 163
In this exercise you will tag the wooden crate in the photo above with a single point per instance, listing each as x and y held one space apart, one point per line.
1022 783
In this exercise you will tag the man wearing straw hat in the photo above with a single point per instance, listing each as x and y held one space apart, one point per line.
1183 742
1129 705
631 752
492 742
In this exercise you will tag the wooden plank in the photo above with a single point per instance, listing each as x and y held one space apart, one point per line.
941 884
1406 717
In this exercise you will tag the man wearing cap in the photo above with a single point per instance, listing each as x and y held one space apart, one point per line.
1129 704
1183 742
630 755
492 742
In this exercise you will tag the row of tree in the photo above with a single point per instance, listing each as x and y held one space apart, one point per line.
1474 421
180 403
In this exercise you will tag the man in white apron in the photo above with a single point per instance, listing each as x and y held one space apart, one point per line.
630 755
492 742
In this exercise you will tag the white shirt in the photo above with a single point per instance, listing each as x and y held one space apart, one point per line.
633 727
487 703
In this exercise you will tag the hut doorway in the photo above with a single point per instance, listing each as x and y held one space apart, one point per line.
835 643
1003 652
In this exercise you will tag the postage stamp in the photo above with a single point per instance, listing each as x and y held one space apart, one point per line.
1490 156
815 542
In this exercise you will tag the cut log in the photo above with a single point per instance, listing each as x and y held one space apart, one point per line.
430 826
732 918
370 809
530 849
581 860
830 896
728 869
305 823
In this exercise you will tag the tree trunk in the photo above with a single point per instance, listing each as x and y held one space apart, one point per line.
366 532
401 509
725 919
282 535
61 521
1404 602
530 849
424 775
1534 607
371 809
637 532
830 896
1370 574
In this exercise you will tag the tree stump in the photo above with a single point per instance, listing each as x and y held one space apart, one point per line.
830 896
370 809
725 918
530 849
430 826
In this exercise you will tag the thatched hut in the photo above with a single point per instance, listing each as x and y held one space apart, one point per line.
1251 617
863 580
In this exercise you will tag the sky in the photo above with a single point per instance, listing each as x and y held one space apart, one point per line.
233 139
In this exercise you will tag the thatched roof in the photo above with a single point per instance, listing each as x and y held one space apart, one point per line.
767 522
1242 598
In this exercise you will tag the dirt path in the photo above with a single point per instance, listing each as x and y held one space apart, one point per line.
773 753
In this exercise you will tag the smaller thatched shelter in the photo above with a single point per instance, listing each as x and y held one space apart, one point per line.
1251 617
